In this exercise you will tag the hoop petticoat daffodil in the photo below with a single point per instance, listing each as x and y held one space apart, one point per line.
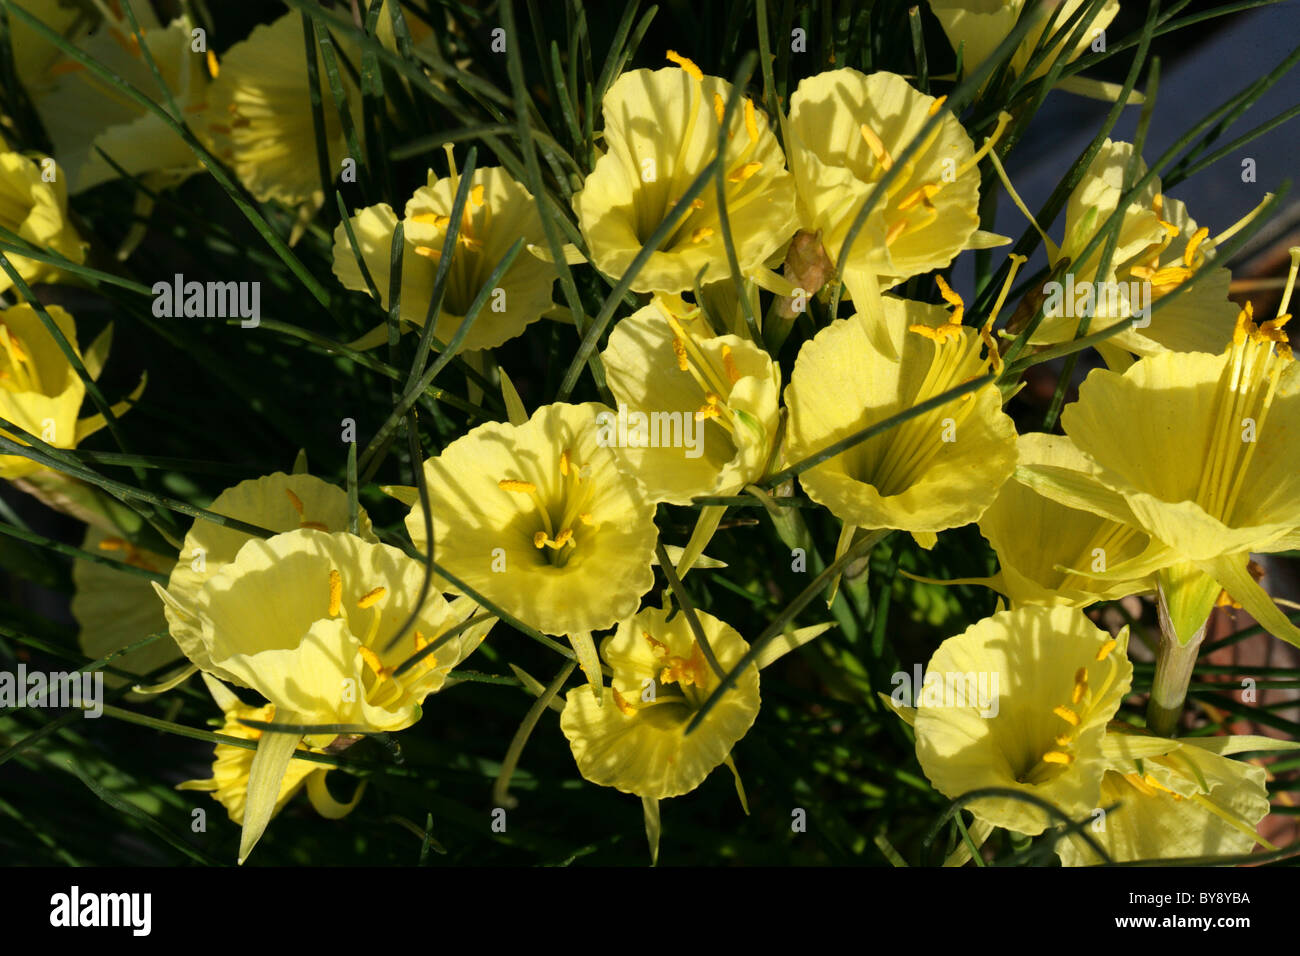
845 130
260 113
540 520
231 765
276 502
1177 798
40 391
665 364
976 27
83 114
1158 243
1046 549
36 211
497 212
115 608
937 470
1202 451
306 618
1059 681
660 678
661 130
33 55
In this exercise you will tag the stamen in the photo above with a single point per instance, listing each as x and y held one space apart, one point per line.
621 703
373 662
937 105
1056 756
1080 685
923 193
679 349
214 68
336 593
372 597
719 107
1140 785
1067 715
699 235
696 73
896 230
751 121
729 364
517 485
744 172
876 146
540 539
564 463
937 333
953 299
294 500
1106 648
1003 119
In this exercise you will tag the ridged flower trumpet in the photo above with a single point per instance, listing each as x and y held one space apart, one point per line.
276 502
1158 248
261 115
660 679
1055 683
1176 798
308 619
709 403
1201 453
978 26
84 115
539 519
661 130
935 471
498 212
846 130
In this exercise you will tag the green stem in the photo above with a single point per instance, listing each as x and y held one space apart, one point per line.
1174 664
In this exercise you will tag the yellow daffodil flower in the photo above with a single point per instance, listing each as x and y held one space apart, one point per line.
661 130
976 27
1176 798
709 403
261 115
84 115
34 56
1045 550
276 502
1158 248
1201 451
660 679
539 519
307 619
115 609
936 471
845 131
40 392
229 781
498 212
1053 682
34 205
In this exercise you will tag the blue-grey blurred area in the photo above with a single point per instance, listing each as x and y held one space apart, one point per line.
1231 53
